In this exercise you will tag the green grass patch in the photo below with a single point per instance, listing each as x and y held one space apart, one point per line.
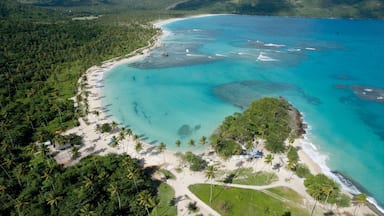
166 207
246 176
167 174
237 201
287 193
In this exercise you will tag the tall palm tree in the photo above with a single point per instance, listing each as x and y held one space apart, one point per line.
315 193
162 148
138 146
114 192
133 174
53 199
191 142
268 159
327 189
146 199
113 125
121 135
359 200
178 143
86 211
128 131
203 140
115 141
210 173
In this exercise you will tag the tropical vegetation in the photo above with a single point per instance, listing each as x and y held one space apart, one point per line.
267 119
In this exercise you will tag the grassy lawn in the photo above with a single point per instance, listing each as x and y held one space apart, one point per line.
236 201
246 176
165 208
287 193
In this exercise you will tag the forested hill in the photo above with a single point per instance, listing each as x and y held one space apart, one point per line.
43 53
307 8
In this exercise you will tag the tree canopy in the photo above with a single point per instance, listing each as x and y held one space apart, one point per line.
268 119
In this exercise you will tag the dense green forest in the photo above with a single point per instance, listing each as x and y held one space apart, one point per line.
110 185
271 119
307 8
43 53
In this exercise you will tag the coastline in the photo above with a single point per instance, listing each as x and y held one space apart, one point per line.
98 143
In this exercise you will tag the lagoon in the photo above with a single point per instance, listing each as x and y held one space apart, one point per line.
210 67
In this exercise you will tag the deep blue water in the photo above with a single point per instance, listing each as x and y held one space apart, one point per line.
209 67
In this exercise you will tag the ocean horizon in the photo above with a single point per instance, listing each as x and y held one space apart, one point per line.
210 67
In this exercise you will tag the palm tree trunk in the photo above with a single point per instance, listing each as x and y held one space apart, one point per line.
313 208
354 212
118 199
5 171
210 196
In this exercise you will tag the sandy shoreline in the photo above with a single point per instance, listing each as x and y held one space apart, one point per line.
97 143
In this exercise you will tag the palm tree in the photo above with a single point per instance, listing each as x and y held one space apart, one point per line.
191 142
121 135
162 148
146 199
210 173
113 125
315 193
115 141
327 189
114 192
75 152
86 210
178 143
138 146
128 131
53 199
268 159
133 174
203 140
135 137
359 200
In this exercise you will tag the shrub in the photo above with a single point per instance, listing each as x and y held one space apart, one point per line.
196 163
302 171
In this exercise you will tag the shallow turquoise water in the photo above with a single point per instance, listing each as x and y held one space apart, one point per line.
217 65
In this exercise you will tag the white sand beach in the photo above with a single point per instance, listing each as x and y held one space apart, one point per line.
97 143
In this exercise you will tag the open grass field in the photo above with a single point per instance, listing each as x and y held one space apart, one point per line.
236 201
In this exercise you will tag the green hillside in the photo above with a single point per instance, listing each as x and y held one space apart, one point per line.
307 8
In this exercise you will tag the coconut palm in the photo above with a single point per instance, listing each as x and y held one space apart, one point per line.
268 159
327 189
146 199
138 146
133 174
210 173
359 200
191 142
121 135
115 141
128 131
114 192
86 211
53 199
162 148
315 193
203 140
135 137
178 143
113 125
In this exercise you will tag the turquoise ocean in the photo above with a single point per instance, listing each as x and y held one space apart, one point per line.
332 70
